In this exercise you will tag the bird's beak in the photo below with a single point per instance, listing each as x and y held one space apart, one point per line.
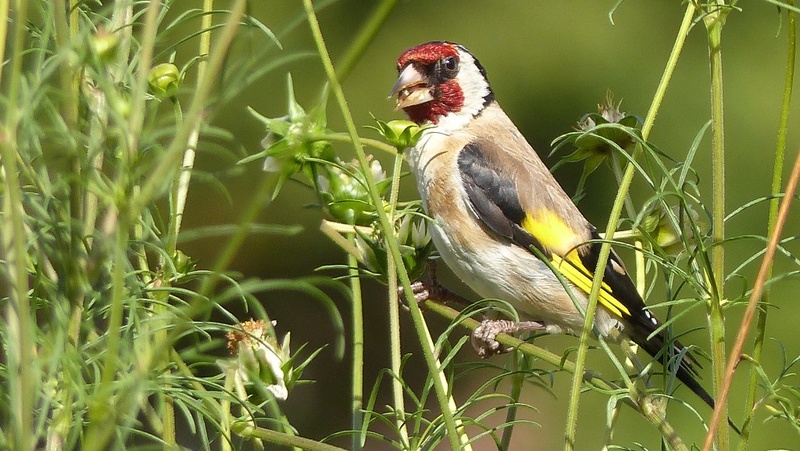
412 88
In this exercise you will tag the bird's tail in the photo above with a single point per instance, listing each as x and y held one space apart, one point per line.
679 356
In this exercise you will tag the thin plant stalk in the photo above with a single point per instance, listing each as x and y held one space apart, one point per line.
777 177
394 314
714 20
344 137
97 434
517 381
4 10
281 438
357 403
363 38
177 146
226 416
439 383
178 198
752 304
177 204
70 79
139 89
354 52
181 188
21 378
605 249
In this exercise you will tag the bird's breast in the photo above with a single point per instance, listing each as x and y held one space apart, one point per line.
490 265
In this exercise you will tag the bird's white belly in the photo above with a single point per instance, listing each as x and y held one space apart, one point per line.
505 271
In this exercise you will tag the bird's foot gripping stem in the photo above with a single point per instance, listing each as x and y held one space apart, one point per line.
429 288
484 337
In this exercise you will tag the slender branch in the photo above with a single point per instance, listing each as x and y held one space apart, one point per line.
517 382
439 383
363 38
280 438
777 177
358 344
21 379
752 304
605 250
714 20
181 186
4 21
343 137
394 314
177 146
139 90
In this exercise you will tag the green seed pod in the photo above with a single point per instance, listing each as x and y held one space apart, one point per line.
164 80
401 134
104 44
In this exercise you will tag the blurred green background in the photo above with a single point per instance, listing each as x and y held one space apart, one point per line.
549 63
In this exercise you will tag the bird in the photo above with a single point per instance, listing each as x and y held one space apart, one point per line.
497 213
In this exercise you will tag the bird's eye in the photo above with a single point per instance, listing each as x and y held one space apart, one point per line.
450 63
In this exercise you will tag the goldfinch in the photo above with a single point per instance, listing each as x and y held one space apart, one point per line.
495 206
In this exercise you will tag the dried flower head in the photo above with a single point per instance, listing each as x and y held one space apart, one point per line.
259 357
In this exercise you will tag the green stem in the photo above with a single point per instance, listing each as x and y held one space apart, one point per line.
714 20
180 192
363 38
280 438
226 416
4 10
19 327
605 249
439 383
139 91
181 185
98 433
177 146
617 169
394 315
102 415
519 360
66 28
777 182
70 88
357 405
753 303
344 137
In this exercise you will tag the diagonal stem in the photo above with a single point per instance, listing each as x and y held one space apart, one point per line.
454 434
752 304
605 250
777 174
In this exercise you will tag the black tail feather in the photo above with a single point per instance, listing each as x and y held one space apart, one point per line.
687 363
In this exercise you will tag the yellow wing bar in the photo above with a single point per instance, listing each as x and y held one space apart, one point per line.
574 270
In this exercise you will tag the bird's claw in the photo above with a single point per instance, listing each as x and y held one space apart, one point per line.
484 337
429 288
421 290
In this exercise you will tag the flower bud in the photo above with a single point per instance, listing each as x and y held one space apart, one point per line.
411 231
164 80
343 190
672 237
399 133
104 44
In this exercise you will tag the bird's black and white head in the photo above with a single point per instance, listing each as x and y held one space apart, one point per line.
441 83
